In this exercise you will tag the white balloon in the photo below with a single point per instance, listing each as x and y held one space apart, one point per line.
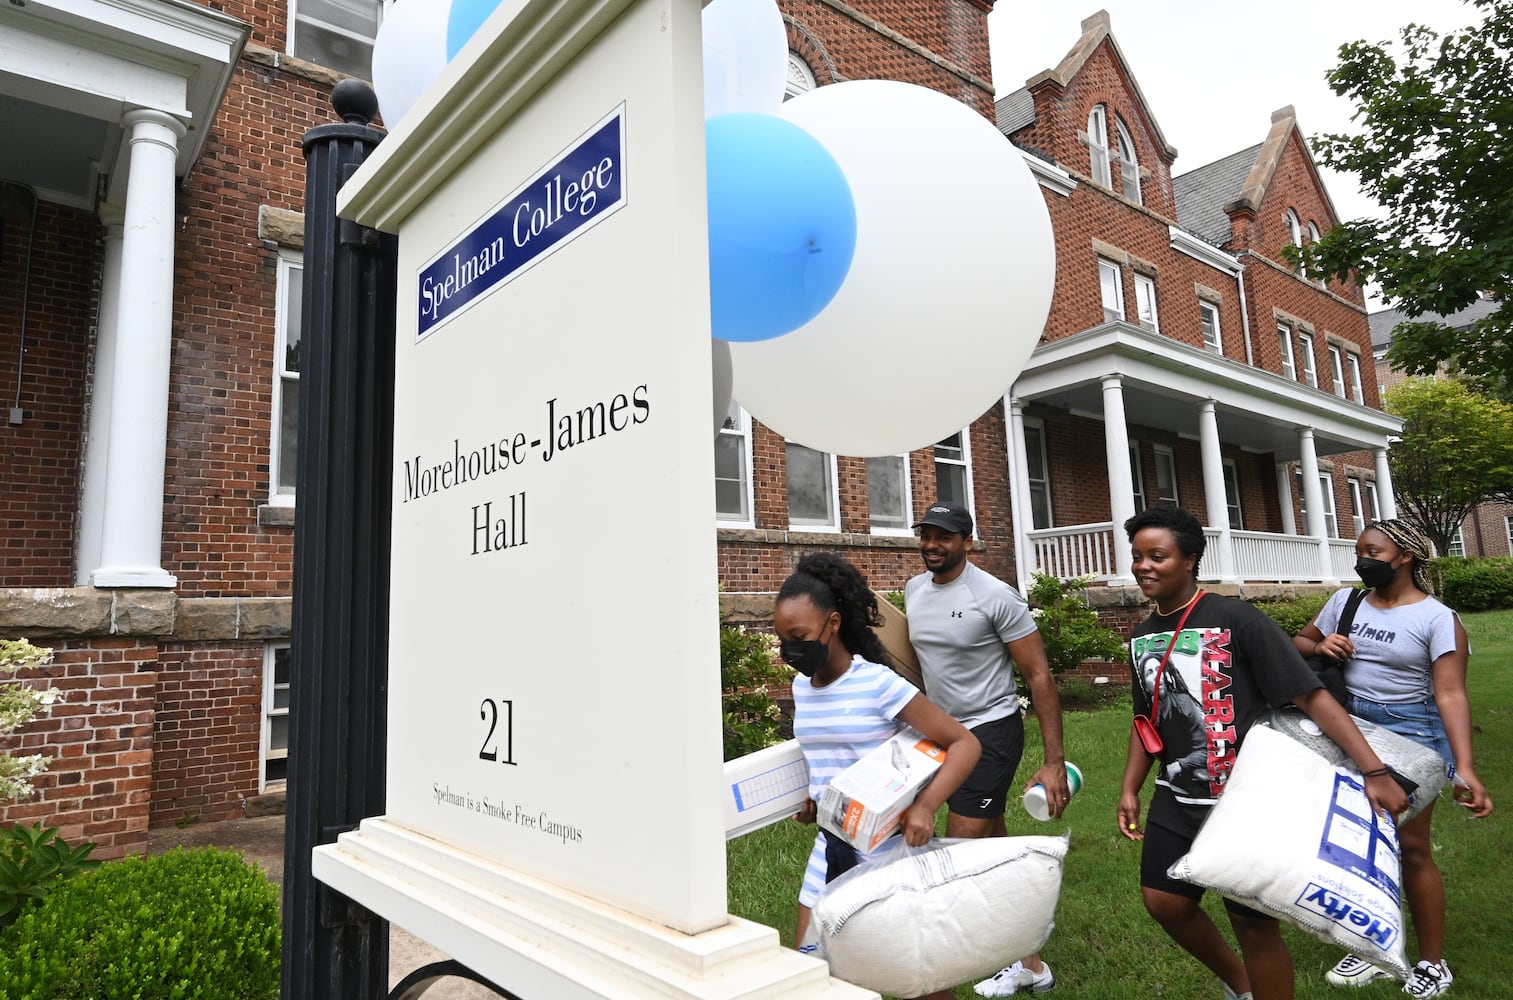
948 291
409 52
720 369
745 57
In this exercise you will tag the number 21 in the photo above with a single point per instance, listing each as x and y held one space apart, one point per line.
489 712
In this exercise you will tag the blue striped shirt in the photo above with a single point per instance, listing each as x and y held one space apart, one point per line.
836 725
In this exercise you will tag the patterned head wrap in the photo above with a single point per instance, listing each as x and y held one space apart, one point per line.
1408 538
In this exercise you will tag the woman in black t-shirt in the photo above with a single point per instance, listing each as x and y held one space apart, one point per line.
1235 663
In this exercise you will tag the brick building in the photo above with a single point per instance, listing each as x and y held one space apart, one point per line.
150 274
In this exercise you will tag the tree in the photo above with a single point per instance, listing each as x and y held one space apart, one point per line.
1436 150
1456 452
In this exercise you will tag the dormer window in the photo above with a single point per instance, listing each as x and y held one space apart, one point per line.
1097 142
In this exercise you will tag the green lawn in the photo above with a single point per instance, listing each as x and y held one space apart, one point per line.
1105 947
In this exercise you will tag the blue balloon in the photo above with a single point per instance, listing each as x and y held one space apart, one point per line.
464 20
782 226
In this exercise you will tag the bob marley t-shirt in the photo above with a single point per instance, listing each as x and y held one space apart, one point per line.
1230 664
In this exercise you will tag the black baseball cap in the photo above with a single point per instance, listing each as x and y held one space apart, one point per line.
949 515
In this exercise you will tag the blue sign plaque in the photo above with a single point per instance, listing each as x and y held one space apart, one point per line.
582 187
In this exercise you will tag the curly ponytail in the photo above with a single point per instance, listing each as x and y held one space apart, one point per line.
833 584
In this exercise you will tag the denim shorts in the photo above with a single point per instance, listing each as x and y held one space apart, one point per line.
1419 721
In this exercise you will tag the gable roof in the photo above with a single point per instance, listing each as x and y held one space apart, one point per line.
1202 194
1385 321
1095 30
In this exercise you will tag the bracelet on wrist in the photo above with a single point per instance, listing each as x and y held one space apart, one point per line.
1380 772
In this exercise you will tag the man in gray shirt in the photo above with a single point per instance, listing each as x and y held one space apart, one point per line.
970 630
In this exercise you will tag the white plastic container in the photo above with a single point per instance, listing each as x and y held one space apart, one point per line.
1034 799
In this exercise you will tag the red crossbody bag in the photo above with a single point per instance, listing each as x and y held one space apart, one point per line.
1150 738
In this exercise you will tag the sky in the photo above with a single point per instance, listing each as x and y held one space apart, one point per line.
1213 71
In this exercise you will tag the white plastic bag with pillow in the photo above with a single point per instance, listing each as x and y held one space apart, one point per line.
1294 836
911 921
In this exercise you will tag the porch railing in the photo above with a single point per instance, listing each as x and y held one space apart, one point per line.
1078 550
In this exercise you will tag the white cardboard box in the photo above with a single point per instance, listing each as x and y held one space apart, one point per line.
864 804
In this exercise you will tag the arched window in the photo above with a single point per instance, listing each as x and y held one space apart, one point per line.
800 77
1295 231
1313 237
1097 143
1129 167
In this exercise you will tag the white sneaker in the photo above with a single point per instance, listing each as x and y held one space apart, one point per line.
1429 980
1230 994
1352 971
1014 978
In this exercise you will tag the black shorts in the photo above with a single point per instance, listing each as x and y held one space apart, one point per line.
984 794
1162 849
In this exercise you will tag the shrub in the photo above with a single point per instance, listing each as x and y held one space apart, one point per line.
33 861
748 667
1296 614
1473 584
187 925
18 704
1069 628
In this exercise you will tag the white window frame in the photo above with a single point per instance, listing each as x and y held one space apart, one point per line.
1165 452
1305 355
1353 363
283 380
1337 369
1111 277
1313 237
1043 484
907 498
964 462
1373 502
1232 482
741 428
833 524
1326 488
1508 525
1284 344
1357 504
270 691
1209 310
296 19
1458 543
1128 164
1098 147
1295 230
1137 477
1145 302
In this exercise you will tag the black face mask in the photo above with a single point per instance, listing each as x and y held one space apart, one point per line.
1374 573
806 656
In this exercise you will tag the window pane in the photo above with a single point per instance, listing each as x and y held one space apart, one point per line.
809 486
278 732
1305 360
1034 454
281 665
730 476
337 34
1137 479
1232 496
276 770
1166 477
887 492
1145 301
1284 345
949 449
1209 317
1113 291
1040 505
951 470
1355 379
288 434
294 295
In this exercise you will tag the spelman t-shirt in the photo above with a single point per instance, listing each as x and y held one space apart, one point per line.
1230 664
1395 648
959 631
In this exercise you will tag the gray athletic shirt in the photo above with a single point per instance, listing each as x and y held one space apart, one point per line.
958 631
1395 648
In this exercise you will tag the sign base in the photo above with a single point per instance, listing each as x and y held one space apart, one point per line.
538 940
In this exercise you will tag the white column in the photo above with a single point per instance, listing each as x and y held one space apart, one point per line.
1121 487
1284 499
97 434
1386 498
1313 500
1019 495
1213 489
131 544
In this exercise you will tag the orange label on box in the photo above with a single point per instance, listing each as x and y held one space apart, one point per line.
853 821
931 749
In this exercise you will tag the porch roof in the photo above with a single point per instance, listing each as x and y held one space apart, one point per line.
1163 380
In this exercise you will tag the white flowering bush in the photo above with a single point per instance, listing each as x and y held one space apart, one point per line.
1070 629
20 704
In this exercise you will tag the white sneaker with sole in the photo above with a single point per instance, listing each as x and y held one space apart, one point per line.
1230 994
1429 980
1352 971
1015 978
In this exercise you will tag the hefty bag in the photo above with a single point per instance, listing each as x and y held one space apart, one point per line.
913 920
1294 836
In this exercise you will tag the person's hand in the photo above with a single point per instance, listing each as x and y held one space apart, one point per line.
1057 792
1472 794
918 825
1129 817
1336 645
808 812
1386 795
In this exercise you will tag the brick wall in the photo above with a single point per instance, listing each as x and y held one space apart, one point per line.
100 736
